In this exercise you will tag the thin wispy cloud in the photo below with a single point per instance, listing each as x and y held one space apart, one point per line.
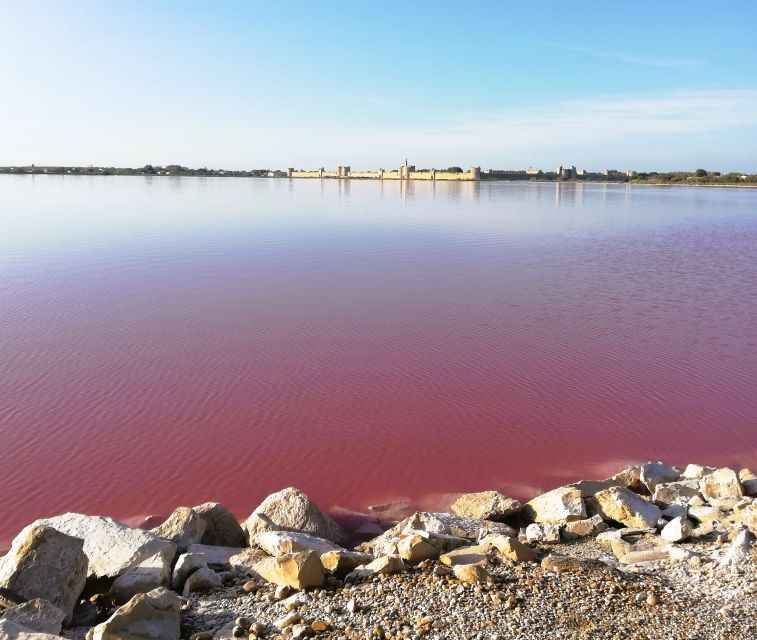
664 62
634 127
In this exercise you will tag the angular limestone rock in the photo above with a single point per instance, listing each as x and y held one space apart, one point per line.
679 492
217 557
149 574
583 528
221 527
202 580
629 477
277 542
739 552
298 570
626 507
696 471
444 530
184 527
112 547
38 615
291 510
186 565
558 505
677 530
147 616
653 473
477 554
543 533
45 563
341 562
380 566
10 630
721 484
485 505
511 547
471 573
414 548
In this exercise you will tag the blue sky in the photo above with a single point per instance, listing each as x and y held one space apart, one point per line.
646 85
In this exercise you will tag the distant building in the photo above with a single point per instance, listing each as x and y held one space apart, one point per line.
533 172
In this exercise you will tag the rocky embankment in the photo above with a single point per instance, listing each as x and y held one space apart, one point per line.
652 552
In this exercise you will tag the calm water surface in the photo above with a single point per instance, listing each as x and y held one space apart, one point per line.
170 341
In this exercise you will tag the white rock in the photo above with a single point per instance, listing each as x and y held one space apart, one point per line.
654 473
677 530
112 547
696 471
184 527
543 533
721 484
202 580
38 615
485 505
675 511
45 563
149 574
216 556
147 616
291 510
186 565
10 630
738 553
558 505
624 506
679 492
278 542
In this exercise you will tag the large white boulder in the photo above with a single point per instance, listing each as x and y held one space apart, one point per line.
45 563
291 510
677 530
721 488
626 507
221 527
654 473
485 505
556 506
112 547
147 616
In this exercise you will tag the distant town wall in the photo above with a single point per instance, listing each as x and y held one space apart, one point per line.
403 173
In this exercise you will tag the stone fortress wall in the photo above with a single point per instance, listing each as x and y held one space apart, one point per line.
405 172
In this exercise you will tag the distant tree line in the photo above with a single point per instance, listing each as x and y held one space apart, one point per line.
147 170
700 176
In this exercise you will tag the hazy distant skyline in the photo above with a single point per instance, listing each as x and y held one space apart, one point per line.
244 85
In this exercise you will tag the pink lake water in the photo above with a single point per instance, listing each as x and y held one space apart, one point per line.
168 341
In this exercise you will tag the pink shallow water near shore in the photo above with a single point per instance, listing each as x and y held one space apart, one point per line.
172 341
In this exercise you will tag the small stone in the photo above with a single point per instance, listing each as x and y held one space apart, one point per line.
652 600
287 621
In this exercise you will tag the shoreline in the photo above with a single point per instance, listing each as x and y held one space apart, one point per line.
652 546
404 180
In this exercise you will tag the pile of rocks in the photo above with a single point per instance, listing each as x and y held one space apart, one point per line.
652 545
